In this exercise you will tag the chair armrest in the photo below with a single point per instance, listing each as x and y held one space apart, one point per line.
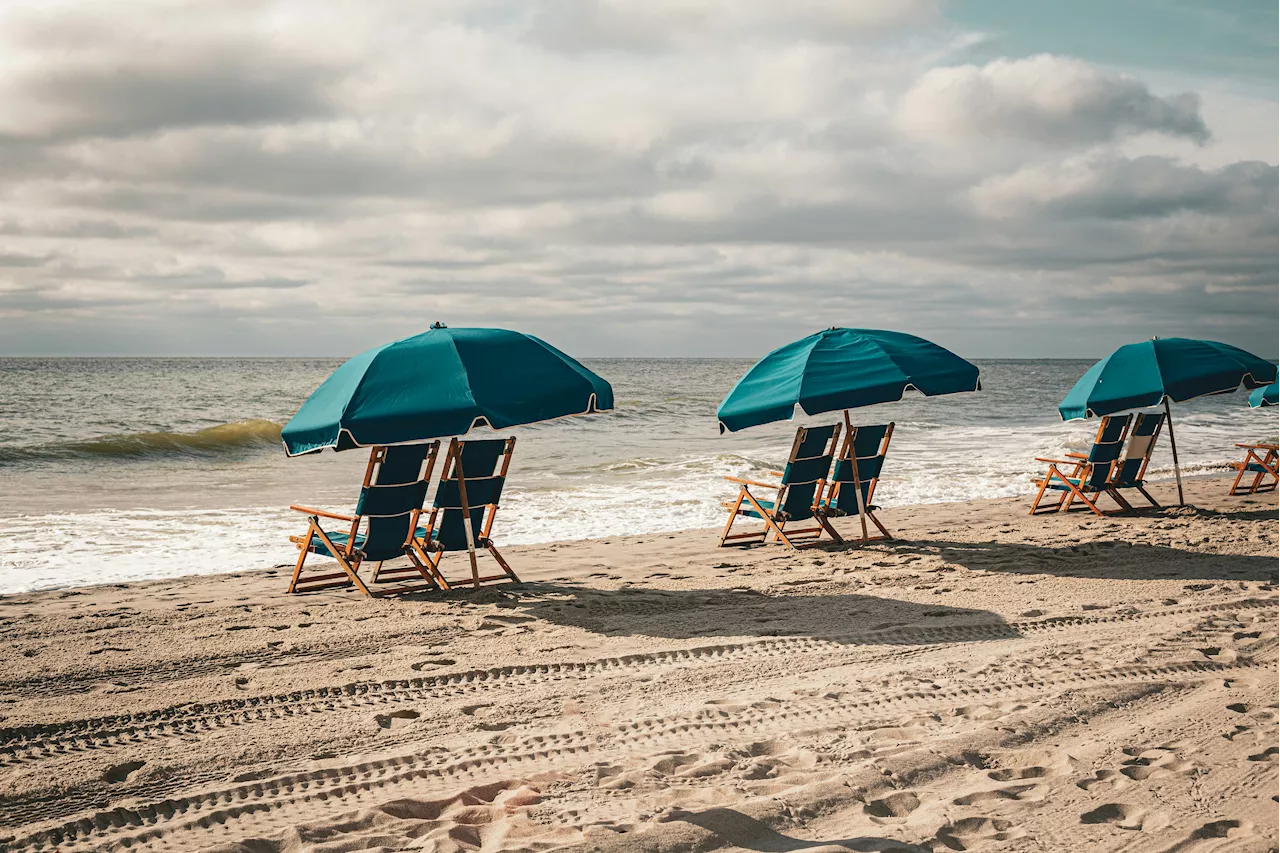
1073 455
775 473
1047 461
312 511
754 483
1258 446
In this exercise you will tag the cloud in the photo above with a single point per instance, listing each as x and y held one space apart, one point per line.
578 26
664 178
1051 100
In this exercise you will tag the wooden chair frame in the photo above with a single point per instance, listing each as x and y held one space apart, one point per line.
1267 461
775 520
349 556
1080 469
866 510
435 552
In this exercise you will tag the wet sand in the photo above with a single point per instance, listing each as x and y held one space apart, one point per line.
986 681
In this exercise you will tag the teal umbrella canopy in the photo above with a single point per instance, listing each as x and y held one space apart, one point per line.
440 383
1265 396
1150 372
843 369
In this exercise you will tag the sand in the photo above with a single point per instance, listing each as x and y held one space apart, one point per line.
988 681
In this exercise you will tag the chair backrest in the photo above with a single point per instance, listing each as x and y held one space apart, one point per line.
395 485
1108 444
470 485
1137 453
868 446
808 466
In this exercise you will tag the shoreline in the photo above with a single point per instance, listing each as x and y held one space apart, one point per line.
987 672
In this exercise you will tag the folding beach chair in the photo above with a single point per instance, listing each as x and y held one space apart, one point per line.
853 483
798 492
1132 467
466 503
1084 473
1261 461
395 485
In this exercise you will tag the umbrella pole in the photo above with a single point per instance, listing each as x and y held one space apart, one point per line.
857 481
1173 445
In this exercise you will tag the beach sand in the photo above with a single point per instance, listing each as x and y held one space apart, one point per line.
987 681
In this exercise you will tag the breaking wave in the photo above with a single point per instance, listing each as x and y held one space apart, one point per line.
223 438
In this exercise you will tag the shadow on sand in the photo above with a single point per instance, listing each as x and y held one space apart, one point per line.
737 829
685 613
1114 559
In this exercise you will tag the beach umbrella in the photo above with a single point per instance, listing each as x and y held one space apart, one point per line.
841 369
1163 370
441 383
1264 396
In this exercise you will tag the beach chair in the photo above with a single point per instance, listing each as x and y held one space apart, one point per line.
395 485
853 483
1261 461
465 505
1083 474
1130 469
798 491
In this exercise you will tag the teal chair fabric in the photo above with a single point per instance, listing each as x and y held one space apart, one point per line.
478 464
470 491
1132 468
867 445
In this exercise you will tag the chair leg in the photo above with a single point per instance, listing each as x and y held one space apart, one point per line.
303 551
769 522
337 554
432 567
1150 499
827 526
1075 490
1124 505
733 515
876 522
1035 502
501 562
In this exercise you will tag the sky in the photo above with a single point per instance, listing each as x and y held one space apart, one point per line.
658 178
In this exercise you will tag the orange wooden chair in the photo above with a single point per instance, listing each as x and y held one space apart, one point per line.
381 529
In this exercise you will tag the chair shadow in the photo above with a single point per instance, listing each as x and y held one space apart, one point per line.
734 828
687 613
1112 558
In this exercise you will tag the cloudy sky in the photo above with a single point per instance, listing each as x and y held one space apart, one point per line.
657 177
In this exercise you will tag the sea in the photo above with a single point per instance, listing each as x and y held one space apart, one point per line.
123 469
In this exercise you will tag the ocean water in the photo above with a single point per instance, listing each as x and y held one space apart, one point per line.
124 469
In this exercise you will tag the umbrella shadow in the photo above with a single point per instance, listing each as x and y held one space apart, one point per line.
732 827
687 613
1108 558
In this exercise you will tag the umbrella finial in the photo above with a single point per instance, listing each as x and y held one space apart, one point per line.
438 325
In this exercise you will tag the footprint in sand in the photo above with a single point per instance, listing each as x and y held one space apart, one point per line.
122 772
1110 780
1013 792
1268 754
967 833
1126 816
1013 774
424 664
897 806
396 719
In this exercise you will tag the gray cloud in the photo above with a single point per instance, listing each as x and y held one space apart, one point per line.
1049 99
626 179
